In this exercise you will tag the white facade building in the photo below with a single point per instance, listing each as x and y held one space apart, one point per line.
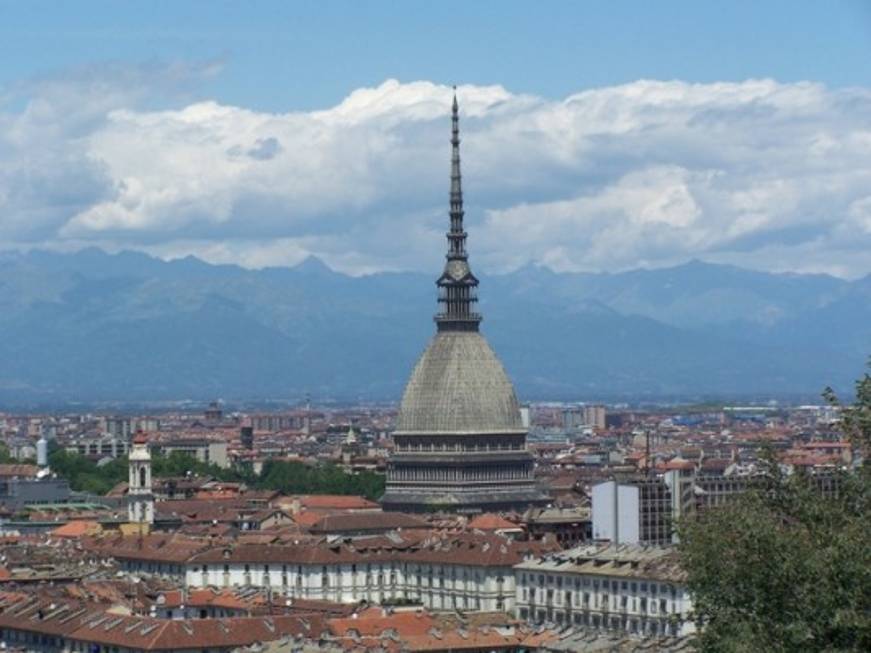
625 588
471 572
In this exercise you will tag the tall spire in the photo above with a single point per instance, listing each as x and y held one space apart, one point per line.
456 236
457 285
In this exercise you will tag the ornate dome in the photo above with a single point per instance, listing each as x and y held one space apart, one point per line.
459 386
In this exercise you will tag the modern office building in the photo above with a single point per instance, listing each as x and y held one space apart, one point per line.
633 511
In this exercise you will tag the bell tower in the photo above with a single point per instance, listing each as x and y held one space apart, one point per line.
140 500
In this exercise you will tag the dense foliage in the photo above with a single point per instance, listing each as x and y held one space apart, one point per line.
290 477
298 478
787 568
178 463
5 456
84 475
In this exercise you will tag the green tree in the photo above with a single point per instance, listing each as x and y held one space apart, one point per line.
178 463
5 456
84 475
786 567
291 477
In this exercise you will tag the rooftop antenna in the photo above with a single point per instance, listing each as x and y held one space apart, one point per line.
647 451
307 420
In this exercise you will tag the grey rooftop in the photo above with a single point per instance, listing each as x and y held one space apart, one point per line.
459 386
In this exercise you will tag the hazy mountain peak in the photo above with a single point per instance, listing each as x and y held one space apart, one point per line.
194 329
311 264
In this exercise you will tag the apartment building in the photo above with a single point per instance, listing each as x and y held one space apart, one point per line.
203 449
624 588
461 571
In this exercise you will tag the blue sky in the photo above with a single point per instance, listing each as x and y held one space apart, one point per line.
281 55
596 136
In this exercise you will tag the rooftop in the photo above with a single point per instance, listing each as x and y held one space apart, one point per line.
624 560
459 386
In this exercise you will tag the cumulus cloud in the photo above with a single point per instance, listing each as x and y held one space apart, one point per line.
759 173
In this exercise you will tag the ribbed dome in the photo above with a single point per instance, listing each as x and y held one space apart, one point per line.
459 386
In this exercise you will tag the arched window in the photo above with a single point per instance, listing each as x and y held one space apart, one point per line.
141 477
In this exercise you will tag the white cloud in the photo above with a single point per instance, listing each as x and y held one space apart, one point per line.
760 173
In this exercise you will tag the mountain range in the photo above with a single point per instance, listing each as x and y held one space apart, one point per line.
92 327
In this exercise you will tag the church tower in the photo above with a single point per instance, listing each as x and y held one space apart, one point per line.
459 443
140 500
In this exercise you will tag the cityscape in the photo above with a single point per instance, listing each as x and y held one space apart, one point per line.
255 403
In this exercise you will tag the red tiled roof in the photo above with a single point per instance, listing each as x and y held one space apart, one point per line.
365 521
492 522
335 502
76 529
458 548
14 469
307 518
83 622
373 622
163 547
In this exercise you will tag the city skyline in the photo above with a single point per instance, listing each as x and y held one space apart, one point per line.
628 244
